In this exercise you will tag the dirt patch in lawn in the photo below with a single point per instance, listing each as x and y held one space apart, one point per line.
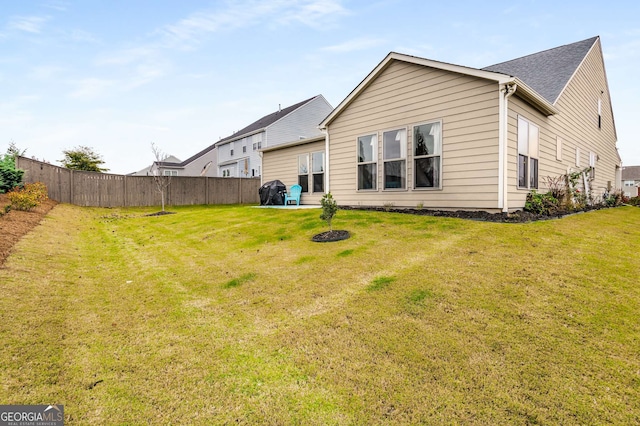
15 224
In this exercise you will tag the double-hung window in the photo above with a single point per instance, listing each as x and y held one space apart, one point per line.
317 170
394 155
427 152
303 172
528 147
368 162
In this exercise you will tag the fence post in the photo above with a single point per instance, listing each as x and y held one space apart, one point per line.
71 192
124 184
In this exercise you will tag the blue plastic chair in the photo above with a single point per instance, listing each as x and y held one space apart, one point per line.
293 195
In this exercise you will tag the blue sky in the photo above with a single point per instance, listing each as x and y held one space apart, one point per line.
117 75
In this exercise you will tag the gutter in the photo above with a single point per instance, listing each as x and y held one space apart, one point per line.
505 92
325 130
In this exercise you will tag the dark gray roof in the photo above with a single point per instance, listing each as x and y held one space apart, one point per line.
631 173
549 71
263 122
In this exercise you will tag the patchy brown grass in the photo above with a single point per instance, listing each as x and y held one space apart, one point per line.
231 315
15 224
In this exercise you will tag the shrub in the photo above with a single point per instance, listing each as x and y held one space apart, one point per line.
634 201
10 177
28 197
544 204
329 208
615 199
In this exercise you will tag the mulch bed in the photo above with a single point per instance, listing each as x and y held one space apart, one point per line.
329 236
515 217
15 224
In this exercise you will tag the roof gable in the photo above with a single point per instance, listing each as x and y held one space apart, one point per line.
548 72
530 95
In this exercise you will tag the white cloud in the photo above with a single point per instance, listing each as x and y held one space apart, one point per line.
189 31
58 5
362 43
30 24
91 88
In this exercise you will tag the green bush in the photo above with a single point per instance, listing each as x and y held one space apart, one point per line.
329 208
544 204
28 197
10 177
634 201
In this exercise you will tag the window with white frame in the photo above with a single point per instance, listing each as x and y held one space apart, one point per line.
368 162
394 156
303 172
593 157
317 171
231 147
528 148
629 183
170 172
427 152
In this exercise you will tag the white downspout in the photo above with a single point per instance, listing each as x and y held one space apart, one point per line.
506 90
325 130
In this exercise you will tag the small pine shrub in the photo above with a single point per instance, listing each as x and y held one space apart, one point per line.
28 197
329 208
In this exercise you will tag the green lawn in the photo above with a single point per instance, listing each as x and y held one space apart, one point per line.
231 314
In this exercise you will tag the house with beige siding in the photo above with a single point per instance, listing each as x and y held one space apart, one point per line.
421 132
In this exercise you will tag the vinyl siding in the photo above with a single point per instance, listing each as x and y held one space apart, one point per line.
282 164
195 167
303 122
402 96
576 124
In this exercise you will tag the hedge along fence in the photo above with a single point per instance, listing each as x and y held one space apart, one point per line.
110 190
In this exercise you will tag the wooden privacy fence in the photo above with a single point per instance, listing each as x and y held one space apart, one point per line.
109 190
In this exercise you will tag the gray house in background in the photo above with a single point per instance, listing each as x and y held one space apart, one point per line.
238 155
168 171
631 181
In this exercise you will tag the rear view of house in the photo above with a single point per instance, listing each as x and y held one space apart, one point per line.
421 132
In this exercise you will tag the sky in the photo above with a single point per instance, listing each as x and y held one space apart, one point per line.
119 75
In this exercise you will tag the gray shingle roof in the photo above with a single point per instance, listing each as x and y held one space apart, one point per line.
631 173
261 123
549 71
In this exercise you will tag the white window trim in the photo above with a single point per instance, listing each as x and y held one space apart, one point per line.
303 174
558 148
406 148
529 156
414 157
312 173
376 153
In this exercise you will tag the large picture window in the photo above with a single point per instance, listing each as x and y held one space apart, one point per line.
303 172
367 162
317 171
427 152
528 147
394 154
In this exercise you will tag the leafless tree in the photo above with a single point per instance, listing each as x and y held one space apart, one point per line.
161 180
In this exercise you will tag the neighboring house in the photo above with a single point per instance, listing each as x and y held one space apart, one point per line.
166 170
238 155
631 181
417 132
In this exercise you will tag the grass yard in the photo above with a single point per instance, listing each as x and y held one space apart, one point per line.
231 314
